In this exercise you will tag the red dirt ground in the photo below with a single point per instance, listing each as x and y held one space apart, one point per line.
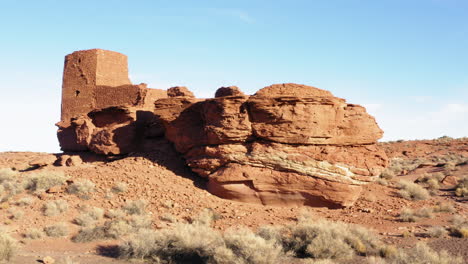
161 176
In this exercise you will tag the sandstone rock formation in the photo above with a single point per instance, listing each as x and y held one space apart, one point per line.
287 144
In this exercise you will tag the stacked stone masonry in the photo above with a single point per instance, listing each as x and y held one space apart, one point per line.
288 144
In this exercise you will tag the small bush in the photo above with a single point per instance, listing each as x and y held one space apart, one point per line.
412 191
7 174
53 208
136 207
34 233
110 230
168 218
82 188
409 215
42 181
7 246
459 226
115 214
57 230
84 220
387 174
140 221
119 187
444 208
461 189
423 254
437 231
25 201
16 214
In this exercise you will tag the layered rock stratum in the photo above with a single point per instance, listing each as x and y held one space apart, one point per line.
288 144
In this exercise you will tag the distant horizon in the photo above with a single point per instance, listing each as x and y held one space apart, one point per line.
405 61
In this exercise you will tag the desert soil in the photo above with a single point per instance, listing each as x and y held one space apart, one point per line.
162 179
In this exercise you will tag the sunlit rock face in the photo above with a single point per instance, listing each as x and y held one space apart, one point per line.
288 144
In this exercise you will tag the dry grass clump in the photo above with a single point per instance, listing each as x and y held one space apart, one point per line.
44 180
140 221
115 214
412 191
119 187
199 243
15 213
53 208
7 174
110 230
459 227
437 231
135 207
10 184
322 239
409 215
56 230
7 246
461 189
444 208
82 188
168 218
34 233
25 201
423 254
89 216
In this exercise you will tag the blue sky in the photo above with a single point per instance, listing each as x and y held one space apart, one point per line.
405 60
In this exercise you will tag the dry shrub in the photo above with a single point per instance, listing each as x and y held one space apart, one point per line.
461 189
412 191
135 207
119 187
84 220
25 201
7 174
115 214
444 208
15 213
436 231
423 254
325 239
53 208
56 230
197 242
168 218
34 233
110 230
8 246
140 221
44 180
387 174
244 246
206 217
409 215
82 188
459 226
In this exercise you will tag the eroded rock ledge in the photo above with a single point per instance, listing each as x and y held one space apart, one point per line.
286 144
